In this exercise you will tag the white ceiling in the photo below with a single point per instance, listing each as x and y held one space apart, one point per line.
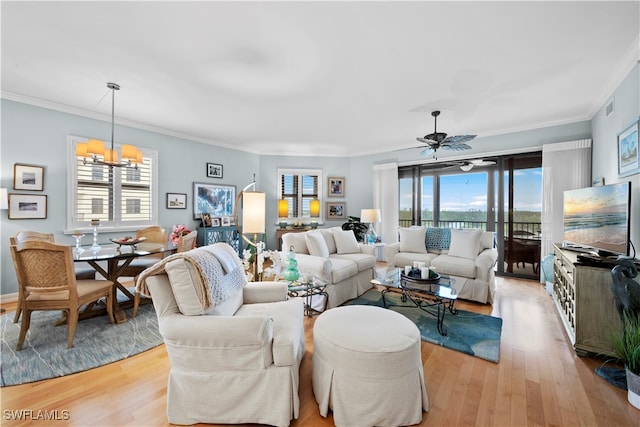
320 78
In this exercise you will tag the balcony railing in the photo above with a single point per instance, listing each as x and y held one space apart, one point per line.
519 228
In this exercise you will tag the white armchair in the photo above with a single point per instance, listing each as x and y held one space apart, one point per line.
237 362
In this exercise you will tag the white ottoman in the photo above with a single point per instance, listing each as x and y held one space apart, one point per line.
367 367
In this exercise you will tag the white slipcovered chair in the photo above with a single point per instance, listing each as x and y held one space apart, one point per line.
236 361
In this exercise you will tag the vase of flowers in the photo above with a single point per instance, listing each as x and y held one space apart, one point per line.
178 231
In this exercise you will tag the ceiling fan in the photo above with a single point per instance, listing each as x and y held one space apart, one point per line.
437 140
470 164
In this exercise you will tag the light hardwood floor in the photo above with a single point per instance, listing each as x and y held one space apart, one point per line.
538 381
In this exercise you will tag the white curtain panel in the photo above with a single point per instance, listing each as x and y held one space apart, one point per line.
385 198
565 166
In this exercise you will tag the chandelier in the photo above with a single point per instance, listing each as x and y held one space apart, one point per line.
94 148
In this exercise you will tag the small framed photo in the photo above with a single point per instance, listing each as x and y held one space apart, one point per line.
226 221
28 177
336 186
336 210
176 201
628 157
215 222
27 206
206 220
214 170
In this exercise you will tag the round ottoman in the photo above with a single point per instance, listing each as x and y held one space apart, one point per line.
367 367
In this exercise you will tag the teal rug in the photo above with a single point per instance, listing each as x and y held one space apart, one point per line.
97 342
471 333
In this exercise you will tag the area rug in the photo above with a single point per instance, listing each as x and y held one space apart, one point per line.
471 333
96 343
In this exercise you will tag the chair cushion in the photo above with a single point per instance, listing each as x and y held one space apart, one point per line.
316 244
465 243
297 240
455 266
363 261
342 269
346 242
412 239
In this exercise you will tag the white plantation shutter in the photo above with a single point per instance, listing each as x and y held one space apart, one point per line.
299 187
119 197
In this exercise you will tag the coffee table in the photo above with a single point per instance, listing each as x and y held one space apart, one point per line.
422 293
308 291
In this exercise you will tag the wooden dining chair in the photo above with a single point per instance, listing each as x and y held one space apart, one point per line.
81 273
48 281
185 243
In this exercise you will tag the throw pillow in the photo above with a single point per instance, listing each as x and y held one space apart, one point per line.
465 243
327 233
438 238
182 278
316 244
346 242
412 240
297 240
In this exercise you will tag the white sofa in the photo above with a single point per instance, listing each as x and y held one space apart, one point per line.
334 256
235 362
467 255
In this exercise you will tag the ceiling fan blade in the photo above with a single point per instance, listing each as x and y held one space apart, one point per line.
427 140
456 147
459 138
427 151
481 162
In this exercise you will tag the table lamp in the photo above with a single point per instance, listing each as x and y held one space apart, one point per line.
314 212
283 212
371 216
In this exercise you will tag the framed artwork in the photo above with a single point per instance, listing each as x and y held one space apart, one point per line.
27 206
206 220
214 170
28 177
214 199
336 210
176 201
226 221
336 186
628 158
215 222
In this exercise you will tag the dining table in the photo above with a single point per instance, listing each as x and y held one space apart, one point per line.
116 258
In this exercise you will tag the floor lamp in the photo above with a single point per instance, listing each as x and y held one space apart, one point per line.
253 218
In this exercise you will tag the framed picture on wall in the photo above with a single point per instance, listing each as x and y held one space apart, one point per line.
628 157
336 186
27 206
215 199
214 170
336 210
176 201
28 177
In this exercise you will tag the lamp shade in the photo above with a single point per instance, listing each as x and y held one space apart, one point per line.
314 208
4 199
253 212
283 208
370 215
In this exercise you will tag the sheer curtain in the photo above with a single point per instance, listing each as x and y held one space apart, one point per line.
565 166
385 198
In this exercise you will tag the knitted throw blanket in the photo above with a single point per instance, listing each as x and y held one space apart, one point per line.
216 284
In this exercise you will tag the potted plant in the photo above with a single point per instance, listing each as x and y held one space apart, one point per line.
627 345
359 228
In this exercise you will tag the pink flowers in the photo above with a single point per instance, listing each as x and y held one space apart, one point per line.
178 231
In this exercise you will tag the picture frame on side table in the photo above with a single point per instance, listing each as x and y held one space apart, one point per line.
214 170
226 221
336 210
628 156
176 200
214 199
336 187
27 206
215 222
206 220
28 177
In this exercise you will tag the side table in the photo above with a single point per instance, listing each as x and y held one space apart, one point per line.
308 291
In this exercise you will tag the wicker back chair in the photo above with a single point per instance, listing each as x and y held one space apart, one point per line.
48 281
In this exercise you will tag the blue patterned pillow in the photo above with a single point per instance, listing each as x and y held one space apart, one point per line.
438 238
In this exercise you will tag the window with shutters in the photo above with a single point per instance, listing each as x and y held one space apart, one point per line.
299 187
120 197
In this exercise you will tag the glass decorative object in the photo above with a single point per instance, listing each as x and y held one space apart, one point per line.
95 223
78 249
291 272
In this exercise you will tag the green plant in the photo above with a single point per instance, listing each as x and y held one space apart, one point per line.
359 228
627 343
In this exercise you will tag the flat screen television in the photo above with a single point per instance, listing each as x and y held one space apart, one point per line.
597 219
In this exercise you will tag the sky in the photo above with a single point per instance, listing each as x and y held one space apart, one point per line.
468 191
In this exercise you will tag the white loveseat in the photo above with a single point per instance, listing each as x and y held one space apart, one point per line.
236 361
467 255
334 256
